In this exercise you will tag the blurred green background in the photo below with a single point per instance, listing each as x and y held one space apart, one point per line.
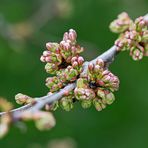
25 27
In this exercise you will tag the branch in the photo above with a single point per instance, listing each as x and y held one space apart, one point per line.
40 102
107 57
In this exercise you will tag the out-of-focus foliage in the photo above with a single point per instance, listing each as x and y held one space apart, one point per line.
25 27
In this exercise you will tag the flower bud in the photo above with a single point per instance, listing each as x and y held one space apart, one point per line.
66 103
86 103
52 47
82 83
109 98
46 121
23 99
97 104
145 36
84 93
121 24
51 68
140 23
136 53
100 62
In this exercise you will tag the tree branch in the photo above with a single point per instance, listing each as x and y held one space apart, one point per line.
107 57
40 102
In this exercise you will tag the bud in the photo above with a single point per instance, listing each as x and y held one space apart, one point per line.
66 103
121 24
90 67
23 99
145 36
140 23
100 93
84 93
86 103
80 60
72 35
51 68
82 83
97 104
54 83
121 44
71 73
52 47
51 57
136 53
100 62
46 121
109 98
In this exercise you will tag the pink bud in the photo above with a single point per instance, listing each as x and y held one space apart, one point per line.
73 49
65 37
80 60
90 66
57 51
72 35
42 58
97 68
142 23
48 59
106 78
46 53
75 64
73 59
105 72
100 82
100 62
49 45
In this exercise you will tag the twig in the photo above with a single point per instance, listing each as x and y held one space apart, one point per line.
107 57
41 101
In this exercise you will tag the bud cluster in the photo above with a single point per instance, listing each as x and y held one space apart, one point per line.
133 35
63 60
99 76
98 87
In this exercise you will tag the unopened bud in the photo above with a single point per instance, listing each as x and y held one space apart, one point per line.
66 103
100 93
86 103
23 99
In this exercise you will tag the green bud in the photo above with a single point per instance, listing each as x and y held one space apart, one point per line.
145 36
45 122
86 103
51 68
82 83
109 98
66 103
101 93
23 99
97 104
121 24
